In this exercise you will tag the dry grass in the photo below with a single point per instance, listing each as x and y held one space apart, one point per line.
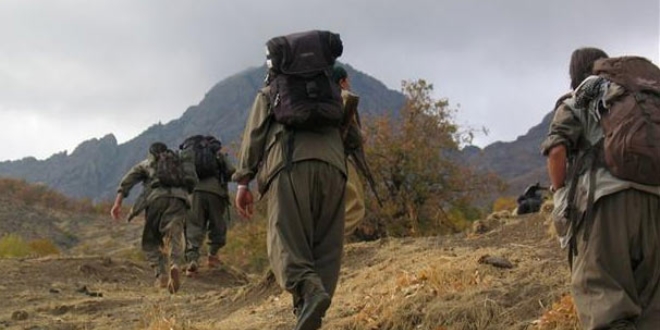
449 289
433 297
156 317
561 316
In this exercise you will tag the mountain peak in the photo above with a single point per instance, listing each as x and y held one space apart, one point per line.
96 165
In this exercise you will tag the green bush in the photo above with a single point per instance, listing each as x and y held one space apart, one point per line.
14 246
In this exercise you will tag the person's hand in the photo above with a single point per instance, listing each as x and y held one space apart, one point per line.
244 202
115 212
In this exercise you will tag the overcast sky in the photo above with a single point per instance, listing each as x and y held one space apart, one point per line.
75 70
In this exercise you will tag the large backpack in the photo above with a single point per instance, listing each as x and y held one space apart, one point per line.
205 149
169 170
302 93
631 122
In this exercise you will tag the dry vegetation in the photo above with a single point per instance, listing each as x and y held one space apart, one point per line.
38 195
398 283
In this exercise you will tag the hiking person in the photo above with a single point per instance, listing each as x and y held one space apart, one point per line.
292 146
530 201
166 183
607 213
356 164
352 136
209 201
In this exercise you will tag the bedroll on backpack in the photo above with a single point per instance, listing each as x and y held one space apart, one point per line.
205 149
169 169
302 93
631 123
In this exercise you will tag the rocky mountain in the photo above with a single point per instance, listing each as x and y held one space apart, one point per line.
518 162
95 167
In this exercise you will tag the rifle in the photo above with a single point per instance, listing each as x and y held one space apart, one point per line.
363 168
353 144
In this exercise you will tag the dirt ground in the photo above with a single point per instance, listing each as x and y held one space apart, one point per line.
434 283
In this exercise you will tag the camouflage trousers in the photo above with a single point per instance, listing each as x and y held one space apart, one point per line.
162 237
207 217
616 273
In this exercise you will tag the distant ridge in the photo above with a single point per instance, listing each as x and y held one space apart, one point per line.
95 167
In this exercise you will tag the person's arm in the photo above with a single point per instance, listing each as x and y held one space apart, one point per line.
557 166
564 133
251 153
138 173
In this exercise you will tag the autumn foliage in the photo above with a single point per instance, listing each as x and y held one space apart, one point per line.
415 161
30 194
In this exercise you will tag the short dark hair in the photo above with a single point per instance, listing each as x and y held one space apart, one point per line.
157 147
338 74
582 64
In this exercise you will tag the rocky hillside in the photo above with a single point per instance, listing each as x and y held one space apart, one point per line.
95 167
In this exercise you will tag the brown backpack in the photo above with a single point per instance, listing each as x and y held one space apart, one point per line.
631 124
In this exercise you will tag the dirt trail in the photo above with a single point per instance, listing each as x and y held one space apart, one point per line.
427 283
104 293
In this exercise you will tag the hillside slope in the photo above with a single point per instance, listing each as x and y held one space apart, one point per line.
426 283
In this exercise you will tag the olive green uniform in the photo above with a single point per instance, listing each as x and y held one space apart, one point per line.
209 212
305 200
615 277
354 198
165 213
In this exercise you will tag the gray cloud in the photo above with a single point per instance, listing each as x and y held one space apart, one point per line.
73 70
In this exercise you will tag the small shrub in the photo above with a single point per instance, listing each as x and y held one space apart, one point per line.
134 254
40 195
43 247
13 246
505 203
246 244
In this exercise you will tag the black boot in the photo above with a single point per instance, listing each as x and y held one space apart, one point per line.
310 317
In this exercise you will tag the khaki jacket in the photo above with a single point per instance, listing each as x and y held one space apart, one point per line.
262 154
